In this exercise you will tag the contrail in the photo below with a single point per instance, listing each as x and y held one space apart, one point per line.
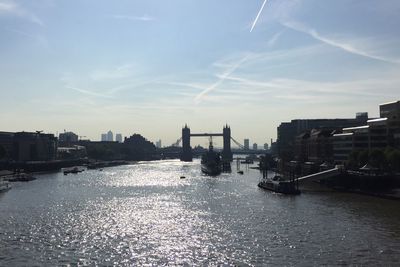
222 78
258 15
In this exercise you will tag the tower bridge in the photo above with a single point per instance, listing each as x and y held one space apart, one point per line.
187 154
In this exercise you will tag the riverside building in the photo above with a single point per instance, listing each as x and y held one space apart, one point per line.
376 134
288 131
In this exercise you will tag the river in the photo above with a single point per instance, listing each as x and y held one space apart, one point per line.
144 214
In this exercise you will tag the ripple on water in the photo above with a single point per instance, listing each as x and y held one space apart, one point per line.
144 214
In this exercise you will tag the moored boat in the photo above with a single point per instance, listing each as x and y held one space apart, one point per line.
4 185
73 170
21 177
279 185
211 161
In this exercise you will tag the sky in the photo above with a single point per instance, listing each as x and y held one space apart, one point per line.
151 66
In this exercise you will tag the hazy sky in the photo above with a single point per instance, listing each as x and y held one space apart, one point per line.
151 66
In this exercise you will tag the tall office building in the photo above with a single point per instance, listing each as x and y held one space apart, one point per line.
391 111
255 146
103 137
246 144
68 137
110 136
266 146
158 144
118 138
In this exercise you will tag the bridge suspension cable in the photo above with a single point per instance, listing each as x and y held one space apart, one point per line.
237 143
177 142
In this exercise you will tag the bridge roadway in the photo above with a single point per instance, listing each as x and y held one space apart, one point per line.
206 134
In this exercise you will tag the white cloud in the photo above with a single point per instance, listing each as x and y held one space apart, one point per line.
39 39
87 92
8 8
132 18
271 42
115 73
246 78
346 46
222 78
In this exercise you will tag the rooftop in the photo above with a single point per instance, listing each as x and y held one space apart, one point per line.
356 128
343 134
393 102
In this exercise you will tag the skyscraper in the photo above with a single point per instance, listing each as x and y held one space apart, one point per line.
246 144
103 137
158 144
255 146
110 136
118 138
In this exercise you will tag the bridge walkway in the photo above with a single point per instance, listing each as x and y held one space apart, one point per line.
321 175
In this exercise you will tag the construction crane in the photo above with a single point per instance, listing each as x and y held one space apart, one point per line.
177 142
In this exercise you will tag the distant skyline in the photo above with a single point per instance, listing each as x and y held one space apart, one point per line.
151 66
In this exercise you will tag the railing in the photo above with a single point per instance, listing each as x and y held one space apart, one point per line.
321 175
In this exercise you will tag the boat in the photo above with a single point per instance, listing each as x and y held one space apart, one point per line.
248 160
211 161
4 185
279 185
73 170
21 177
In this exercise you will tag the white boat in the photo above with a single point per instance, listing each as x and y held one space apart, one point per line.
4 185
280 185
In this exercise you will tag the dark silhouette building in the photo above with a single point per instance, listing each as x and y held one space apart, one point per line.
301 147
68 138
6 146
186 148
136 147
391 111
34 147
287 131
227 151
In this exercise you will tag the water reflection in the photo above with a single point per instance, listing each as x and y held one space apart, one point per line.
145 214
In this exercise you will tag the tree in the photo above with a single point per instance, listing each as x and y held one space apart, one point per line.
377 159
363 157
138 148
353 162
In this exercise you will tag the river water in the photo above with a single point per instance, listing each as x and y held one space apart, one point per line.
144 214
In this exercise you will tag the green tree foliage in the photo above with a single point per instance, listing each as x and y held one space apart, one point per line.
387 160
353 162
377 159
363 157
138 148
104 151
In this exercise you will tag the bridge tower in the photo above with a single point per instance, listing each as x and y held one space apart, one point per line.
227 152
186 148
